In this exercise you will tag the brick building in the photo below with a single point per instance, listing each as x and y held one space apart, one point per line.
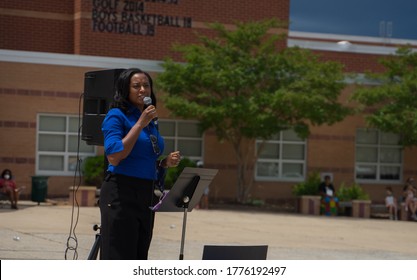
47 46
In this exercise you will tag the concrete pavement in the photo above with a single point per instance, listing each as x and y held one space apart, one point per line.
57 231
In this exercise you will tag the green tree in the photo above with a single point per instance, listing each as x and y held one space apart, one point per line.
244 87
391 105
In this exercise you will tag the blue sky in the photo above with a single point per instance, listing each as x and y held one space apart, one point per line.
355 17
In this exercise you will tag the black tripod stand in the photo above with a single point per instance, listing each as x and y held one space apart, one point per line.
97 243
185 195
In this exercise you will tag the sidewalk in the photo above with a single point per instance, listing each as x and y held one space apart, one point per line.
42 231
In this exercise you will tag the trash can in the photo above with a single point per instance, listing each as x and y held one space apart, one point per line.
39 188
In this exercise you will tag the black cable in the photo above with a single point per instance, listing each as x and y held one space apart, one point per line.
72 237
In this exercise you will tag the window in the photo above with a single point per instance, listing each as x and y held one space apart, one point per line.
281 158
378 156
57 145
183 136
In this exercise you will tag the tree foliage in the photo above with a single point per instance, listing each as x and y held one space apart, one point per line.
391 105
242 86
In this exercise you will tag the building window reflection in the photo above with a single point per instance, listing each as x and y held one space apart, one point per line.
283 157
59 145
378 156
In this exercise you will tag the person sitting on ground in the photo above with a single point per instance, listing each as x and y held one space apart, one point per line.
8 187
329 201
391 204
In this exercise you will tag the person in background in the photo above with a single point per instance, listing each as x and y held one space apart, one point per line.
9 188
329 201
391 204
134 148
409 181
410 200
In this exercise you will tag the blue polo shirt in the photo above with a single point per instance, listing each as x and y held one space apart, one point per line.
141 162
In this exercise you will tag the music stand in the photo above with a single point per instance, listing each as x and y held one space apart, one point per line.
185 195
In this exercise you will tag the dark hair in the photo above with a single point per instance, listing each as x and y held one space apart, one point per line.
6 171
122 89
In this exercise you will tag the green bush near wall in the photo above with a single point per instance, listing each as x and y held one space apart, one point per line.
309 186
174 172
93 170
352 192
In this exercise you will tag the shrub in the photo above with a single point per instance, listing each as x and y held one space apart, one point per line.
308 187
174 172
353 192
93 170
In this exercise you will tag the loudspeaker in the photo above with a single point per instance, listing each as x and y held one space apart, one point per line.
225 252
98 95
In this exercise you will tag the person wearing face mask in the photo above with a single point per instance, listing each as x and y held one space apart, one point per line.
133 148
8 187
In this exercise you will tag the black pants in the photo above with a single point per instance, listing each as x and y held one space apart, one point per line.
126 220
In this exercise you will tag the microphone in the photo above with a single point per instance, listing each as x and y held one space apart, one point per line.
148 101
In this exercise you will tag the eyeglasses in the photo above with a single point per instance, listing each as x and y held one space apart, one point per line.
155 146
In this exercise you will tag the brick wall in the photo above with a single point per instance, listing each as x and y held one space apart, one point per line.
354 62
52 6
66 27
45 26
25 91
159 45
